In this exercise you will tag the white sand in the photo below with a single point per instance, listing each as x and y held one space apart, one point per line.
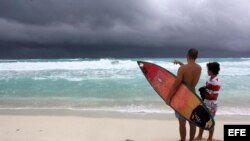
77 128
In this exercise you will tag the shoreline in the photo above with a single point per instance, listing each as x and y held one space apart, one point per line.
106 114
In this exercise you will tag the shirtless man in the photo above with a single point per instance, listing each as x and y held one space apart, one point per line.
189 73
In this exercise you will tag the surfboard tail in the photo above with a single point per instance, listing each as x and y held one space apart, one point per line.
202 118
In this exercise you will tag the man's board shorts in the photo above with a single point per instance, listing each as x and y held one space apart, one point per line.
178 116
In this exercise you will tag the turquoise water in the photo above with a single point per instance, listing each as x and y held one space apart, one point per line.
115 85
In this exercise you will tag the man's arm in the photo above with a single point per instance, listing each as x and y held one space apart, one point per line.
178 62
176 84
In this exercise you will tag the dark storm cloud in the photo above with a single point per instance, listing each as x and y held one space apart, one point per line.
120 28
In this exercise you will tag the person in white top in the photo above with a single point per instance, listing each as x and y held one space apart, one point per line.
213 86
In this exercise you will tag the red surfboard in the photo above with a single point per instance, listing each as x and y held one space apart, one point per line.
184 101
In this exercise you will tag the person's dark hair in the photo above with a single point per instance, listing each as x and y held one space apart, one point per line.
214 67
193 53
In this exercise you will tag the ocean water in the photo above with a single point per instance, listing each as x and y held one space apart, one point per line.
109 85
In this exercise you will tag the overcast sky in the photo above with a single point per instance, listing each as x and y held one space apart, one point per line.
123 28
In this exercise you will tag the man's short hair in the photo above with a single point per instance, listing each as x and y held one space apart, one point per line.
193 53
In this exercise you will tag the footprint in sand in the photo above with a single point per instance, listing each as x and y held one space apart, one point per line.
129 140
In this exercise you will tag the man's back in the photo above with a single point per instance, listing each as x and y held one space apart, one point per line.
191 74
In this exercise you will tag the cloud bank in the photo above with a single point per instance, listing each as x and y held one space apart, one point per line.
95 26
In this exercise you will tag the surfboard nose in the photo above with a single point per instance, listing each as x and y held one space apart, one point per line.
141 65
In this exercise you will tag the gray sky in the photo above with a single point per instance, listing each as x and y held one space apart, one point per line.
123 28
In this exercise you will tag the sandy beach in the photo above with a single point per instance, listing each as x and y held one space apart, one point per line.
80 128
